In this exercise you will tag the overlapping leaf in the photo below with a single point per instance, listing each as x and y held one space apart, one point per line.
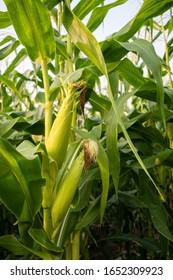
149 9
99 14
20 178
31 21
4 20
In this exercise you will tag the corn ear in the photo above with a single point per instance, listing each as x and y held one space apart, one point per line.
60 132
66 191
59 136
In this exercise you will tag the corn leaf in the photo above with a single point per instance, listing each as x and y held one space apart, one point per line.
87 43
90 215
4 52
6 126
40 236
149 56
83 39
31 21
19 178
112 148
50 4
16 61
126 69
154 160
83 8
10 84
99 14
148 10
11 243
103 164
67 227
4 20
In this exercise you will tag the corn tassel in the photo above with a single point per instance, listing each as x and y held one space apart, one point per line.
66 191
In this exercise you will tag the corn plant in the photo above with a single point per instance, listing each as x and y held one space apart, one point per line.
73 158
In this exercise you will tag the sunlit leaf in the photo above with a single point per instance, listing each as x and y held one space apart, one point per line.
99 14
4 20
83 39
148 10
34 17
83 8
148 54
103 164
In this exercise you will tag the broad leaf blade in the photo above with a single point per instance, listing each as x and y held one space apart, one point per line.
103 163
4 20
83 8
83 39
112 148
11 243
99 14
148 10
31 21
20 178
149 56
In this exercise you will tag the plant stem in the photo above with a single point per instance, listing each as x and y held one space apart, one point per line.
48 103
70 54
167 55
47 221
48 124
68 250
76 246
59 17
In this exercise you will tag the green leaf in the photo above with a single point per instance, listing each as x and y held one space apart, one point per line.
61 47
83 39
4 20
99 103
112 148
148 10
40 236
90 215
27 149
154 160
16 61
10 84
11 243
33 27
87 43
103 163
6 126
159 219
128 71
20 178
149 56
99 14
144 242
83 8
152 202
158 214
112 50
4 52
67 227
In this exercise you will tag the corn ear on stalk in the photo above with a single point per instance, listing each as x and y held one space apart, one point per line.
60 132
66 191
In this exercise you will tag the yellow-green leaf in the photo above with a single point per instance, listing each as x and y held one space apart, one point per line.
31 21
